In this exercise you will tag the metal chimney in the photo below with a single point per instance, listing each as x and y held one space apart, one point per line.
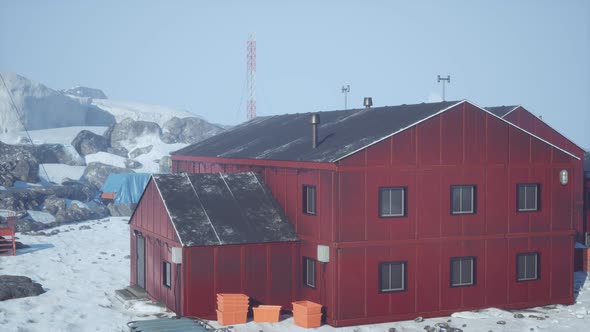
368 102
315 121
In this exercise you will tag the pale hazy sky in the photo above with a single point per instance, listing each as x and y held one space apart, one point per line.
192 54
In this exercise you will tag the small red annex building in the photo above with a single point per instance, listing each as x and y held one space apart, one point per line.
397 212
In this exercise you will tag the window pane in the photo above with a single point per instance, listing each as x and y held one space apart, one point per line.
466 271
396 201
531 197
397 276
385 198
521 197
531 266
385 277
521 267
456 199
310 272
455 272
466 199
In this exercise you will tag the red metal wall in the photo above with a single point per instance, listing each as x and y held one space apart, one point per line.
462 146
151 220
529 122
265 272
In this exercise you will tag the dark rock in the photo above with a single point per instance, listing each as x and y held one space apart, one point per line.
518 316
75 212
121 210
129 130
165 164
83 227
97 173
96 116
133 164
392 329
87 142
99 211
139 151
419 319
54 205
501 322
57 154
82 91
14 287
188 130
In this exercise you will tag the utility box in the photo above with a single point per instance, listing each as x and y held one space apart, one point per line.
176 255
323 253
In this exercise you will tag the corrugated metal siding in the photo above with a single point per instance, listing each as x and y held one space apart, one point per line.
151 220
262 271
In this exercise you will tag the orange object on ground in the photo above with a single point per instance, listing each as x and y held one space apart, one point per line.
232 308
232 317
267 313
8 240
307 314
108 195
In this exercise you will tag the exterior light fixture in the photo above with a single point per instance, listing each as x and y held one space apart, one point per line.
563 177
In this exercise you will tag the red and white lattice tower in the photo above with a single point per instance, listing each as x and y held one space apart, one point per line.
251 47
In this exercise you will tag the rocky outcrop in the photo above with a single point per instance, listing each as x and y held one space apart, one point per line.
14 287
87 142
188 130
83 91
120 210
132 164
34 197
165 164
97 173
139 151
56 154
17 163
127 131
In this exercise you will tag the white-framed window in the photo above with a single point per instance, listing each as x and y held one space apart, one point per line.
309 200
392 202
462 271
166 274
527 197
309 272
392 277
462 199
527 266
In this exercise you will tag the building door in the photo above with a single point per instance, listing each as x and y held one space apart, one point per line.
140 260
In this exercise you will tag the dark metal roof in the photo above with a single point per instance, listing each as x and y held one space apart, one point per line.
500 111
288 136
214 209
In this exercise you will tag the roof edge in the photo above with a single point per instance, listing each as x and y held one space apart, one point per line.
399 131
531 134
167 211
548 125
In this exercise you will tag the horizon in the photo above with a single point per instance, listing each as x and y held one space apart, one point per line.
530 53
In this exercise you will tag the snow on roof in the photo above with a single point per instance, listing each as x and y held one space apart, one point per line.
214 209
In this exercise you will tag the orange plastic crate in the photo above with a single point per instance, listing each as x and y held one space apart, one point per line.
267 313
307 321
307 307
232 317
232 306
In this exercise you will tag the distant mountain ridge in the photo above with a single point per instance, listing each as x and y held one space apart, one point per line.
45 108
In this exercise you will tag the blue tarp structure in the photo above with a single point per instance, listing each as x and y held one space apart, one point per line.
127 186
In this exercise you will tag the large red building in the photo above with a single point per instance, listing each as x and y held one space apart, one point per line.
404 211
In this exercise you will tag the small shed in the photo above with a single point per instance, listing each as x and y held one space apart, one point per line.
195 235
124 188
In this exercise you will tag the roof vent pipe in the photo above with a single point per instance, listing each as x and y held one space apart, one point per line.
315 121
368 102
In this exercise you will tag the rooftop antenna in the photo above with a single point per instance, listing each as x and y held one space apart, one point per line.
251 57
346 91
444 79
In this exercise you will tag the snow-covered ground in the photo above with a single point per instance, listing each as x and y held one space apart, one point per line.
58 172
81 266
139 111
